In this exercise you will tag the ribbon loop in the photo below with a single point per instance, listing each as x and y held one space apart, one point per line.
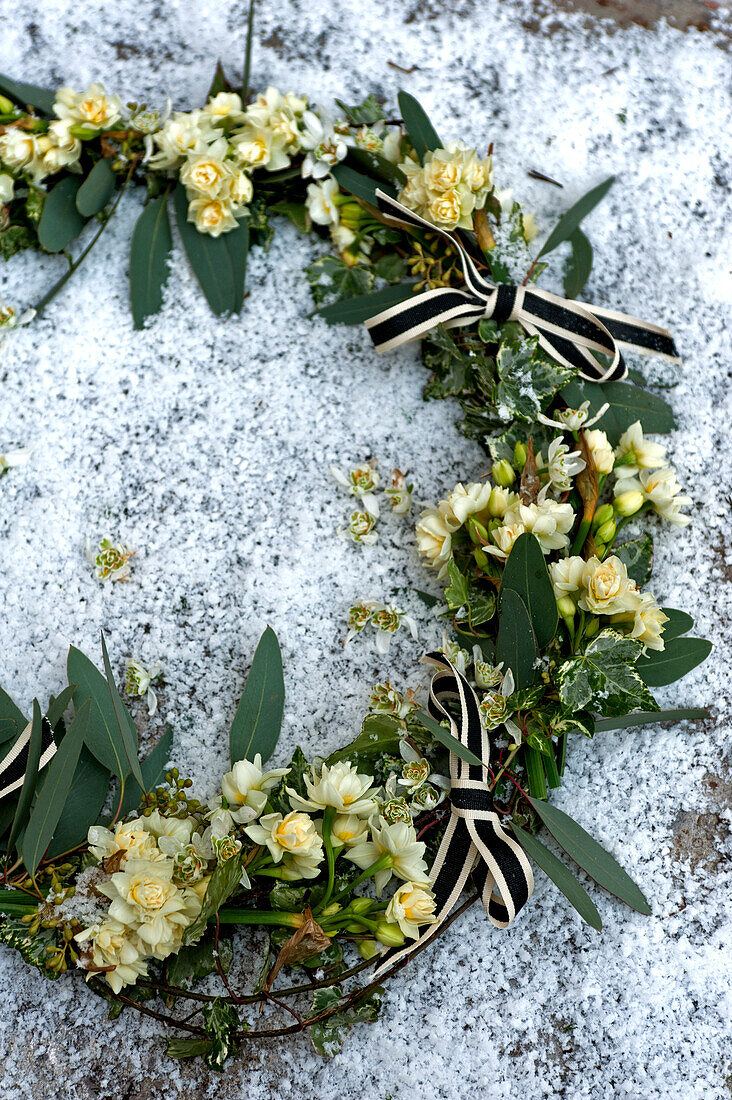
570 332
475 840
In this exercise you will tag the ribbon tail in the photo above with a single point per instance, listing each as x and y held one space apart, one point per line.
14 764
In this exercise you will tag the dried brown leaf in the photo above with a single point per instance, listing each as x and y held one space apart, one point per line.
309 939
530 480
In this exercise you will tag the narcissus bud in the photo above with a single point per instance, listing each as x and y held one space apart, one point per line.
477 532
360 905
503 473
565 607
592 627
390 935
481 558
602 515
519 456
606 533
7 107
628 503
367 949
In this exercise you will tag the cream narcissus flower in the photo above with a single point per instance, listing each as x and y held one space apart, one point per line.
226 106
562 465
548 520
93 108
648 621
112 945
138 682
349 829
58 148
448 187
340 786
599 447
321 203
324 143
19 151
246 787
464 501
567 576
145 899
212 216
661 489
181 135
133 838
254 147
7 187
281 115
638 453
412 906
111 560
205 175
607 588
399 842
362 481
170 833
434 540
572 420
292 840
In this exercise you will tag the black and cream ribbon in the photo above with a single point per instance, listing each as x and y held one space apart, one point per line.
474 841
569 331
13 766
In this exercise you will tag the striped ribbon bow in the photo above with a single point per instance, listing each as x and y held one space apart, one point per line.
568 331
474 841
13 766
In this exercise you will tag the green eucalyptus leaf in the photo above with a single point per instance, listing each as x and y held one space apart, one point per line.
575 894
49 804
153 768
258 719
418 126
591 856
679 622
679 656
357 184
30 780
58 704
637 557
10 712
104 738
376 165
84 802
651 717
628 403
28 95
8 730
578 266
96 190
605 677
60 221
150 250
569 222
219 263
125 725
516 643
526 573
219 82
354 311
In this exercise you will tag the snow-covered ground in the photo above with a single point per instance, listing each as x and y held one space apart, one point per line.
205 445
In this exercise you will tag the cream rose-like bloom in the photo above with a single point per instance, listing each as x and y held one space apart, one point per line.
448 209
225 105
412 906
340 786
7 187
207 174
112 945
59 148
504 537
464 501
349 829
255 147
607 588
599 447
292 840
239 190
663 491
170 833
181 135
433 539
548 520
321 202
145 899
638 452
567 576
448 187
246 787
19 151
648 621
92 108
281 114
212 216
131 837
399 842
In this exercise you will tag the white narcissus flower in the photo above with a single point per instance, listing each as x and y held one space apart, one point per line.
138 682
412 906
212 216
567 575
486 675
648 621
573 419
607 588
399 841
547 520
324 144
599 447
340 786
387 620
661 489
562 465
111 945
361 528
399 493
145 899
111 560
19 151
238 190
225 106
246 787
170 833
206 175
291 840
281 115
343 238
387 700
434 540
362 481
464 501
130 837
181 135
59 148
321 204
349 829
7 187
638 453
92 108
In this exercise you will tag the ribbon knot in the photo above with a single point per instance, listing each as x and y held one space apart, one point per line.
572 333
475 841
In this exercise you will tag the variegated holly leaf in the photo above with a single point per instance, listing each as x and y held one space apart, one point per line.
604 678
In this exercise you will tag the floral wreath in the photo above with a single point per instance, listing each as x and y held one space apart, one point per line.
354 863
